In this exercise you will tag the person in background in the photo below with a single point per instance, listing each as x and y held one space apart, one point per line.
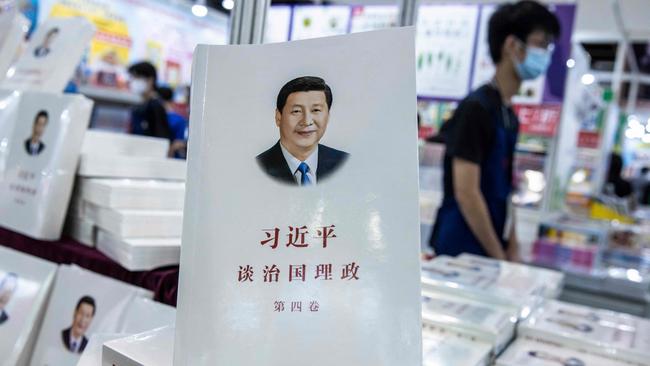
639 183
149 118
480 138
615 182
177 123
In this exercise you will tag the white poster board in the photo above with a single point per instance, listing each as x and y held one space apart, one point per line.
278 21
82 303
319 21
445 46
51 57
374 17
342 256
25 283
41 136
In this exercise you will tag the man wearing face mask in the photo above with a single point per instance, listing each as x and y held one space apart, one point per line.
482 134
150 117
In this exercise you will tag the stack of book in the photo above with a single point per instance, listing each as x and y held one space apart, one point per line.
470 319
129 200
537 352
441 347
595 331
154 347
445 274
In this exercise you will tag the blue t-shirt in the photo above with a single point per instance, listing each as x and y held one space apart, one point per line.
178 125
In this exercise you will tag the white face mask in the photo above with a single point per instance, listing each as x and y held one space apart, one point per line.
138 86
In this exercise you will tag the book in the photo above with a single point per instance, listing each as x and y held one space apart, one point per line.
42 136
25 284
52 54
533 352
120 166
154 347
136 223
82 303
552 281
443 274
488 323
133 193
122 144
598 331
442 348
140 254
321 260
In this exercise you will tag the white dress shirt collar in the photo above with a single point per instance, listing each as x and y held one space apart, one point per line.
293 162
77 344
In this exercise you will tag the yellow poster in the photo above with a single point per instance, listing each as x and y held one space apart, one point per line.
110 46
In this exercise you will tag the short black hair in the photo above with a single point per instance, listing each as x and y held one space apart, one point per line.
144 69
166 93
86 300
304 84
41 113
520 20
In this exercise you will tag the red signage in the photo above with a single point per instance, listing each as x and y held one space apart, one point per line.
539 120
588 139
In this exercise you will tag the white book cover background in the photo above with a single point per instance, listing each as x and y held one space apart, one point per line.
13 28
112 300
36 178
25 283
51 56
367 315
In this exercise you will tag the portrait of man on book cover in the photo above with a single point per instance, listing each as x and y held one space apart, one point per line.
301 116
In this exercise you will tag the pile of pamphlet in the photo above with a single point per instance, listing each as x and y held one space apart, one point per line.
129 200
517 287
596 331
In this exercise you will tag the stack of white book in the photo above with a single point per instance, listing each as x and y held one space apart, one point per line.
129 200
155 347
537 352
491 324
601 332
450 275
552 281
443 348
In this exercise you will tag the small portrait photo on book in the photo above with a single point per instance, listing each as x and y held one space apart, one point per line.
34 145
44 48
302 114
74 337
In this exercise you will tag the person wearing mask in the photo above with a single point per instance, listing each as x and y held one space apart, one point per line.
177 123
480 138
149 118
